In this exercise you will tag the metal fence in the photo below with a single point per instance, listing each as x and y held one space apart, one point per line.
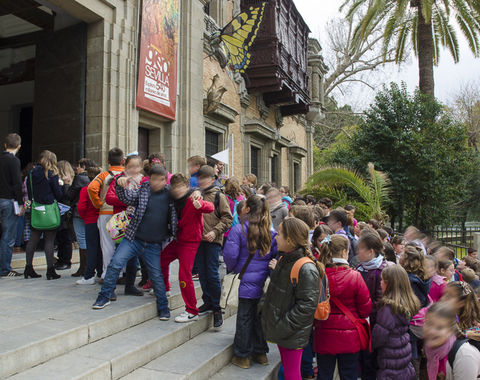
456 237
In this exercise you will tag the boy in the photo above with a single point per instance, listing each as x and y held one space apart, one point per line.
194 165
208 254
190 232
278 209
97 190
152 223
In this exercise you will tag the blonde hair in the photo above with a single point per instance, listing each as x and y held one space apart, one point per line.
232 188
413 261
297 231
48 160
65 169
399 294
252 178
469 315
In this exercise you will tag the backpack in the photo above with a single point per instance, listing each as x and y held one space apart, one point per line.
236 219
216 204
456 346
323 307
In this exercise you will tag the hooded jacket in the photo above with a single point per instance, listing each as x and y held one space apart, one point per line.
287 313
236 253
421 288
73 194
278 213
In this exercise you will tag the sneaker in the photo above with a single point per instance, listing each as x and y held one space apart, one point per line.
12 273
113 296
164 315
195 277
83 281
217 319
147 286
186 317
151 292
205 309
100 303
133 291
61 266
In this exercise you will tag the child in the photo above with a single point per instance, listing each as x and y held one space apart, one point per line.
305 214
431 266
337 340
286 198
152 223
448 357
251 181
470 278
319 234
89 214
390 336
234 196
208 255
463 299
389 254
278 210
131 178
413 261
250 241
157 159
97 190
194 165
246 191
445 271
369 254
184 248
287 314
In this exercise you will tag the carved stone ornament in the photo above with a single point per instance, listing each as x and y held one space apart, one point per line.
214 96
262 107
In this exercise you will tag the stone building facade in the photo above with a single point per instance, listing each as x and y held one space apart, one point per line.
68 78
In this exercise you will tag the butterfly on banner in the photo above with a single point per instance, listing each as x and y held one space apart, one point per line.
231 44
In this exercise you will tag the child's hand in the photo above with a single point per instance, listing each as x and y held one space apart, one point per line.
210 237
197 204
122 182
272 264
196 195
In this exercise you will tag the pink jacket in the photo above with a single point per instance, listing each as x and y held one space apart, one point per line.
437 287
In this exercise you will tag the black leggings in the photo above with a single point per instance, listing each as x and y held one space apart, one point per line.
49 237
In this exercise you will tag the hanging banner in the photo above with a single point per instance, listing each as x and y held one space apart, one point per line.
157 66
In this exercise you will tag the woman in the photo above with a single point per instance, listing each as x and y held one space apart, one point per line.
44 181
251 241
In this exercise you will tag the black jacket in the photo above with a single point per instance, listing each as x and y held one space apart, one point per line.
10 178
287 313
81 180
45 191
420 287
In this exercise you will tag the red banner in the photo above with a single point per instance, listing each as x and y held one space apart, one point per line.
157 66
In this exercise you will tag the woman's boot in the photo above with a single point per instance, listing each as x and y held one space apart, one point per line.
83 263
29 272
51 274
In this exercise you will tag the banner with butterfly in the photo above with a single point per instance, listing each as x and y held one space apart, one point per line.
232 43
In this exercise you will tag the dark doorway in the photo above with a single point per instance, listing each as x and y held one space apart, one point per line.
25 122
143 140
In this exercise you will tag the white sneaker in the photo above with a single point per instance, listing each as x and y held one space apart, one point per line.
186 317
151 292
90 281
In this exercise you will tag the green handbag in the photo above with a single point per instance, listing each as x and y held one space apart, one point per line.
44 217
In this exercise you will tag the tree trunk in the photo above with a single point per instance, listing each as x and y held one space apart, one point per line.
425 55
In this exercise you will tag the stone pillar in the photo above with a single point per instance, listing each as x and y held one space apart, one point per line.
476 241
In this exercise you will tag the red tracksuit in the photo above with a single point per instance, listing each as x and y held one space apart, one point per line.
184 248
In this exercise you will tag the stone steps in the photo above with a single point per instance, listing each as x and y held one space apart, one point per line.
40 329
18 260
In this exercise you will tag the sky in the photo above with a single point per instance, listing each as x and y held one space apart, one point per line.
449 77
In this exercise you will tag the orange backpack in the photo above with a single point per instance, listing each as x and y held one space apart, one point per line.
323 307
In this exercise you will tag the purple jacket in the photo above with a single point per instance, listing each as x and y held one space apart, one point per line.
373 278
391 340
235 254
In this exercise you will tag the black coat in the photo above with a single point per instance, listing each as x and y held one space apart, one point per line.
81 180
45 191
287 313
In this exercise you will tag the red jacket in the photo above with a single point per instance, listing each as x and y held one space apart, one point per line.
190 222
111 197
86 210
338 335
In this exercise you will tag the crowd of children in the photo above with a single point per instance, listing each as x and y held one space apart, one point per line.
366 302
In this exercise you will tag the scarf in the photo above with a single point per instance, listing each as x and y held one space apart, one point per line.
374 263
181 202
337 260
437 358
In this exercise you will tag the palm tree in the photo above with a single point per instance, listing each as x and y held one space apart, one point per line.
427 23
369 195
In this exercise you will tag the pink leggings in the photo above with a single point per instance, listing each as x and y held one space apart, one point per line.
291 360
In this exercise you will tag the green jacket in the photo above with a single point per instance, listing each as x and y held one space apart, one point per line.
287 313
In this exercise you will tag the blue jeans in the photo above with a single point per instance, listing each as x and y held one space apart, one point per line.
79 227
347 366
151 256
8 219
207 259
307 358
94 253
20 224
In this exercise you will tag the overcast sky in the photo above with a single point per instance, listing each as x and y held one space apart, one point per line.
448 75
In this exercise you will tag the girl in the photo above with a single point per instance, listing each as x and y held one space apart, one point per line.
251 181
390 336
462 298
441 333
234 196
372 262
398 243
286 198
287 315
336 340
320 233
132 176
250 246
44 181
445 270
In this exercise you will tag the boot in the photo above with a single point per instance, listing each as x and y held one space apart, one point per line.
29 272
83 263
241 362
260 359
51 274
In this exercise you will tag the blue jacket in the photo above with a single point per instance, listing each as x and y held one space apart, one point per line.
235 254
194 181
45 191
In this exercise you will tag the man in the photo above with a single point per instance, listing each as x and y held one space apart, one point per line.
11 201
